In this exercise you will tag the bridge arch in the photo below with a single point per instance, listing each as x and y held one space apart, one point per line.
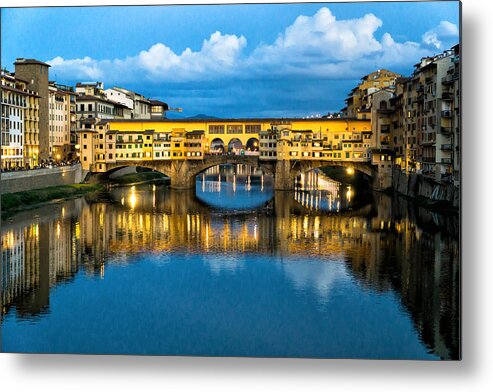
235 144
217 146
350 167
252 144
251 161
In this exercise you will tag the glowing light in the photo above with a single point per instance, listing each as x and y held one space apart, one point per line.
350 171
133 200
349 194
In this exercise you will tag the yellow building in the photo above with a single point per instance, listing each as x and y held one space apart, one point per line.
270 139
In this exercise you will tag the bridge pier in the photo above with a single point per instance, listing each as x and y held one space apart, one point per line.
283 176
382 179
181 177
179 182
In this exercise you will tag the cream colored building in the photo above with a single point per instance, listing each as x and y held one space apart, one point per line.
61 121
19 124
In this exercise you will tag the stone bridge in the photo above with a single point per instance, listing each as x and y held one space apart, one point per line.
182 173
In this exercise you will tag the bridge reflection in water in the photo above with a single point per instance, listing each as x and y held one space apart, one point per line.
387 246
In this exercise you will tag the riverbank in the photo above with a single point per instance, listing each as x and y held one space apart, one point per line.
443 198
17 201
139 178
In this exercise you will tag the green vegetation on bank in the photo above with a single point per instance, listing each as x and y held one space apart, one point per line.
20 200
138 177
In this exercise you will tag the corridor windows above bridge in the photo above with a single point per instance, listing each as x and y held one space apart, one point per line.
216 129
235 129
252 128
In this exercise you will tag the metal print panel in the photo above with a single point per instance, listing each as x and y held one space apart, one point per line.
268 180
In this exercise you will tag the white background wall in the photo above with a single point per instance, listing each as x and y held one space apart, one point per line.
474 373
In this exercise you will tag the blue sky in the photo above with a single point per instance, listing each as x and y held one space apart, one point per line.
232 60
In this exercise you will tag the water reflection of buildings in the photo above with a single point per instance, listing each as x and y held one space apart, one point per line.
316 191
386 245
37 256
235 176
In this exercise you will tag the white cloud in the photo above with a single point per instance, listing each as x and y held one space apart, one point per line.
78 68
317 46
324 34
445 31
218 55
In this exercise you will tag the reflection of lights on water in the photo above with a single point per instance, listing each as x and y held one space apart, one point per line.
255 232
8 240
207 237
63 211
316 228
305 225
154 188
123 200
58 229
349 194
132 200
234 182
262 183
101 271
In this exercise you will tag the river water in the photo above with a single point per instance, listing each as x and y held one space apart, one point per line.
232 269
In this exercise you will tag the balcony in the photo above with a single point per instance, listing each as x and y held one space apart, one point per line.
385 111
446 131
428 80
446 161
446 147
447 79
447 96
447 113
446 177
429 142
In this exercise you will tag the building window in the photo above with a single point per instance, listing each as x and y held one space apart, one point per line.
235 129
216 129
252 128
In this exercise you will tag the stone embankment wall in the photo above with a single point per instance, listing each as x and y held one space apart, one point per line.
416 186
40 178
